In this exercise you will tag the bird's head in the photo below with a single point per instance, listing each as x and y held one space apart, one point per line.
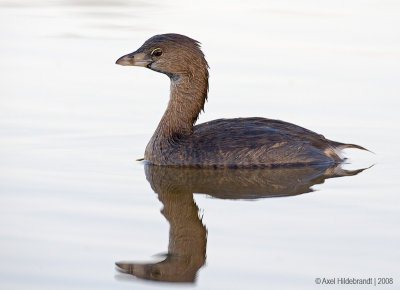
171 54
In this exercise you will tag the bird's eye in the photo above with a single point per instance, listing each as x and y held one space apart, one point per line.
157 52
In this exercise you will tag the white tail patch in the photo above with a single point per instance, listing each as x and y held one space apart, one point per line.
335 153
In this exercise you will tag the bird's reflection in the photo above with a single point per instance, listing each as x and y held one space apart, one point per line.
188 235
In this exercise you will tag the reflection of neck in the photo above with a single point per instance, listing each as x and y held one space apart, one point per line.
187 235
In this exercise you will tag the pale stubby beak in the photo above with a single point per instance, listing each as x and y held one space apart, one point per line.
134 59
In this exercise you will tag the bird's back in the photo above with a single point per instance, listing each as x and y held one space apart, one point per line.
247 142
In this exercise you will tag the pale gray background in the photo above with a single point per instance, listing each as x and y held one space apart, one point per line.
73 200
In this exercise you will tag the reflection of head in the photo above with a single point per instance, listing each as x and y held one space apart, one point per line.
172 269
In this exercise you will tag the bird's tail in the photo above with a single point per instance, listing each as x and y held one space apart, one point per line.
341 146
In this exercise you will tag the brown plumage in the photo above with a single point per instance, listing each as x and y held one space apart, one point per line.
241 142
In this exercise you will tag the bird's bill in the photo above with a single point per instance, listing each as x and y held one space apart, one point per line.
134 59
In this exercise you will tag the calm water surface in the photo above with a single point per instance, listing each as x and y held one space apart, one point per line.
73 200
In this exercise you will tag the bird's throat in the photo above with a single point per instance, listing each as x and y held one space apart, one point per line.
188 93
187 97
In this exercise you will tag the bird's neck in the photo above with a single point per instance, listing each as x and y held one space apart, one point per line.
187 98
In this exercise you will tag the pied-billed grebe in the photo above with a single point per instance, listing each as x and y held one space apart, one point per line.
240 142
